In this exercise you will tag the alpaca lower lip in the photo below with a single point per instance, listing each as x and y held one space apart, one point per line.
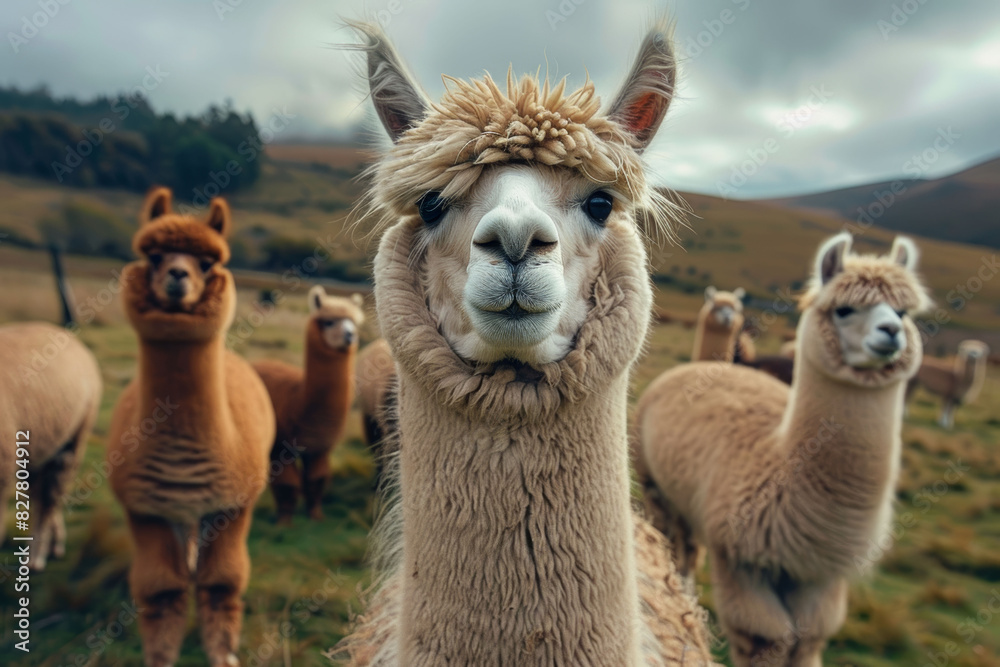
514 326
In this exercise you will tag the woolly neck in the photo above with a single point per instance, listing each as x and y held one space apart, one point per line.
517 528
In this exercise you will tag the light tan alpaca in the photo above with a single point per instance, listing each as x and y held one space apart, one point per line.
189 436
50 391
957 381
788 489
311 404
719 333
376 380
513 291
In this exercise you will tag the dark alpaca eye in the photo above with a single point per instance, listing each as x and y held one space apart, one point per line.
154 259
598 206
432 208
844 311
206 263
901 313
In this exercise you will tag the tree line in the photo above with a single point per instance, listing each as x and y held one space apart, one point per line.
121 142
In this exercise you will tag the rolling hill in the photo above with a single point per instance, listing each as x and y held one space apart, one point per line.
963 207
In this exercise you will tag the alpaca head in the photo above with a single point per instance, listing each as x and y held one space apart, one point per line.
723 310
973 350
334 321
860 308
180 286
517 195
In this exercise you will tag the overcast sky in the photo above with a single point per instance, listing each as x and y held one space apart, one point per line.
821 94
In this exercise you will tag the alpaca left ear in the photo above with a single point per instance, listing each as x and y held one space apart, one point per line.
739 293
904 252
316 296
710 293
642 102
830 258
219 217
358 300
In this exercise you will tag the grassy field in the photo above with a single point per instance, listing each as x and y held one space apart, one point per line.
940 583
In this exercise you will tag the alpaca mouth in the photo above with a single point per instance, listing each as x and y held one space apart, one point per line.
515 325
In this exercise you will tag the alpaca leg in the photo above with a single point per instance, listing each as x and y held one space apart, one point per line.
315 474
758 626
666 519
159 581
54 480
285 484
222 577
818 613
947 419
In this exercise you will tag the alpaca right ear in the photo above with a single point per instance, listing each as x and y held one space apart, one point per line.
316 296
158 202
641 104
904 252
710 293
398 100
739 293
219 217
830 258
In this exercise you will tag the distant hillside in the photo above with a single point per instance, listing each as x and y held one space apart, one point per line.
963 207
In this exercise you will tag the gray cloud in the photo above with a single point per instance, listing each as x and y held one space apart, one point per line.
749 67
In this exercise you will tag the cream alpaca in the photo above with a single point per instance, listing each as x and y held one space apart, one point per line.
720 324
957 381
51 389
311 404
513 541
189 487
789 488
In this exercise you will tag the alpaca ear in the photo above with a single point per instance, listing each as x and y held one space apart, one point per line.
739 293
642 102
710 293
398 100
358 300
830 258
158 202
219 217
904 252
316 296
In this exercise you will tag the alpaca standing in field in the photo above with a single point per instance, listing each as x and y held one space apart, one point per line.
512 288
311 404
50 389
788 488
190 435
719 334
956 381
376 381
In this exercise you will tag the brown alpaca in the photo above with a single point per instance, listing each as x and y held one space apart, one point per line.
51 390
311 404
719 333
789 488
189 436
957 381
376 380
512 288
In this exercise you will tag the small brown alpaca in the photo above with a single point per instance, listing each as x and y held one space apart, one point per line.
719 334
51 391
788 488
512 287
957 381
376 382
189 436
311 404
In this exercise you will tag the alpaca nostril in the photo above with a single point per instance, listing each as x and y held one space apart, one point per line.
891 330
178 274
